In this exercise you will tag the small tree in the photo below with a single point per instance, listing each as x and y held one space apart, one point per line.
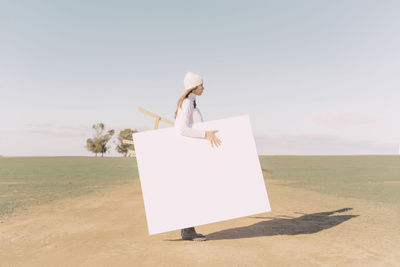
99 142
90 145
125 135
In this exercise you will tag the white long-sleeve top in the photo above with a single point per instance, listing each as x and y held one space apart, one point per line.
187 115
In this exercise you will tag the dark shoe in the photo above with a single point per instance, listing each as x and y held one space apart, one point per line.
200 237
190 234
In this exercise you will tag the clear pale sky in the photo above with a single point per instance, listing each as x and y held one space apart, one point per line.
315 77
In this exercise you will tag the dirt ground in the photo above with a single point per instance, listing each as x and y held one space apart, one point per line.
108 228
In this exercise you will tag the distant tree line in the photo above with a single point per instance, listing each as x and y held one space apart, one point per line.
99 144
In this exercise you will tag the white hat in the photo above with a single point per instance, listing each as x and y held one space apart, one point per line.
192 80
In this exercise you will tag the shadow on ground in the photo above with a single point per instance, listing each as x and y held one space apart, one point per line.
305 224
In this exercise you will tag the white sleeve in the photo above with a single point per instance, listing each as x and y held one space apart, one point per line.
182 126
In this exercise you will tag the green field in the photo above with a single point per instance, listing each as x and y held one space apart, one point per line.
375 178
33 180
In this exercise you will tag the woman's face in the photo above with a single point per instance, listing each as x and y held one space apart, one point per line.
199 90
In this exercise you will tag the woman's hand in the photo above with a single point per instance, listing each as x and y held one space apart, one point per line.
213 139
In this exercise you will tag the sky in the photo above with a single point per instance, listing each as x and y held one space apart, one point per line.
315 77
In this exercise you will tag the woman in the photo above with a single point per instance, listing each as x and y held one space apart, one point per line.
185 115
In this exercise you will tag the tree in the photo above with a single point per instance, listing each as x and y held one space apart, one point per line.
125 135
99 142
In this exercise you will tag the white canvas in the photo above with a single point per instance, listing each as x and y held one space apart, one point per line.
186 182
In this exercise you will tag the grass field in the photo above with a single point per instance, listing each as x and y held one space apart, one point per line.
34 180
25 181
375 178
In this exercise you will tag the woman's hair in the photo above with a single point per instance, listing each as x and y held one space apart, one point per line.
180 101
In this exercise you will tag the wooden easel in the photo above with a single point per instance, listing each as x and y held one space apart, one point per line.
158 119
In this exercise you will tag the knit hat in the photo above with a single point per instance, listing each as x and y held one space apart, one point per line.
192 80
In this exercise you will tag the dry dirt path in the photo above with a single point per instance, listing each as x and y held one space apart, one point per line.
108 228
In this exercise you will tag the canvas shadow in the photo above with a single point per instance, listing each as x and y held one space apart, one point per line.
305 224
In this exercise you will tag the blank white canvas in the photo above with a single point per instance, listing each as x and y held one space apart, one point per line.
187 182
